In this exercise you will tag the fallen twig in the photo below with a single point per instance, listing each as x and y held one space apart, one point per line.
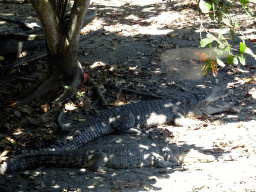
96 87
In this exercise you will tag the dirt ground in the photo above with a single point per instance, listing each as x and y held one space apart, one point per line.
147 47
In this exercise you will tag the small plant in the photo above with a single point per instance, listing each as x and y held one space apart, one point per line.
77 91
219 10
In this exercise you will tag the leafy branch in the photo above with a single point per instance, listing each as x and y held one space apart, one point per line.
219 11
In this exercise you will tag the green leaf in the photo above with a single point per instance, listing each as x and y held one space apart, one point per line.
231 59
237 26
206 41
220 62
224 9
247 9
244 1
241 58
66 87
205 6
242 47
249 51
235 60
220 16
232 33
228 22
211 15
79 94
1 58
207 67
227 49
214 8
219 52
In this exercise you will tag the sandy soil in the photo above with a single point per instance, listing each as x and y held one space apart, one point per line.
151 46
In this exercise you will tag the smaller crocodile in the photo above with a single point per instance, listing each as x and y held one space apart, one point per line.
117 156
125 119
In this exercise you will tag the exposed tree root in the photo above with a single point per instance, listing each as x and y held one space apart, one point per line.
96 87
76 83
50 87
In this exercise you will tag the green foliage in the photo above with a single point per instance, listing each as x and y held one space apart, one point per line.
77 91
219 10
79 94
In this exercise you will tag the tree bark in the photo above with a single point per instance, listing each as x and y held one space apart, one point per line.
62 40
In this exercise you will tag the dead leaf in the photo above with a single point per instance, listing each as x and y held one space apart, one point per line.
248 80
10 139
214 67
4 153
18 131
70 106
45 108
2 156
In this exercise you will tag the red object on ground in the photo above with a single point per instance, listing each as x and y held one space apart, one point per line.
86 77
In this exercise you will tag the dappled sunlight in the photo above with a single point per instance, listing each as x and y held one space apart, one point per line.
143 47
253 92
155 31
153 117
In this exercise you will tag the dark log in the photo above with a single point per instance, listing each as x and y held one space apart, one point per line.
21 23
36 26
14 43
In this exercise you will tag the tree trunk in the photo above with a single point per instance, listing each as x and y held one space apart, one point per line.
62 37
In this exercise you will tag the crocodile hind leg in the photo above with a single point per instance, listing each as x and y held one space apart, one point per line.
124 123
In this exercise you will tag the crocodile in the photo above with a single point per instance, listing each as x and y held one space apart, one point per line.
116 156
125 119
122 119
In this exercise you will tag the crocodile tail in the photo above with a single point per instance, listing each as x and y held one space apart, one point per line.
21 163
58 158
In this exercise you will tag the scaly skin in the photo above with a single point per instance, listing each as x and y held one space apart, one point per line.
113 156
118 119
123 119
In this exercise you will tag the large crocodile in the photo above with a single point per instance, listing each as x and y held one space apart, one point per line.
119 119
125 119
114 155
